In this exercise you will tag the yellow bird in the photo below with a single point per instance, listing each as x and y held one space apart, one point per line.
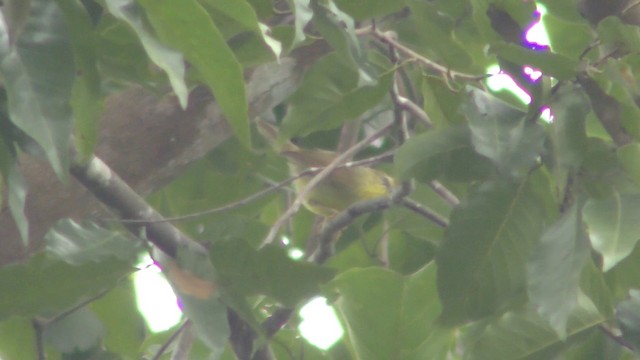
340 189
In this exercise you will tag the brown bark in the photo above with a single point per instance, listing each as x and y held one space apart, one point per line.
146 140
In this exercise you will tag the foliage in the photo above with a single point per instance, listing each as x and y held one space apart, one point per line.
535 258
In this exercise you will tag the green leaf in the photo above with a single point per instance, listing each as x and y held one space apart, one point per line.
613 226
17 337
611 30
523 334
215 62
86 99
77 332
242 12
79 244
442 152
338 29
502 133
38 74
554 269
570 46
209 318
44 286
367 9
329 96
628 316
390 316
481 263
269 271
169 60
570 109
628 156
121 56
556 65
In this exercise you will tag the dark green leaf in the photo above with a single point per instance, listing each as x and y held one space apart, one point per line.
164 57
481 264
79 244
43 286
215 62
523 334
268 271
556 65
443 152
38 74
502 134
613 226
329 96
390 316
554 269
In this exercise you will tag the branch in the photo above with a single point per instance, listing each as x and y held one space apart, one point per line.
349 215
426 212
388 39
113 192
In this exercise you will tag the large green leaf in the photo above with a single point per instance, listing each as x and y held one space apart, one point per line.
329 96
38 73
269 271
481 264
613 226
571 46
390 316
444 152
366 9
164 57
502 133
79 244
524 334
207 51
45 286
554 269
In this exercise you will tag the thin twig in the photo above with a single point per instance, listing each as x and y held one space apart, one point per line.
38 328
386 38
444 193
304 192
426 212
346 217
246 201
184 344
170 340
415 110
